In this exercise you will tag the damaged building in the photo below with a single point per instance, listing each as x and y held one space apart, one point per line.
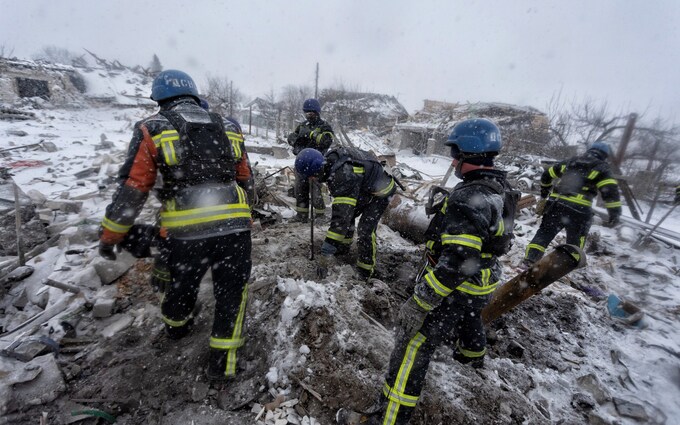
524 129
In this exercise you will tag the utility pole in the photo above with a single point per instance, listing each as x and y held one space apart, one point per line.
231 98
316 82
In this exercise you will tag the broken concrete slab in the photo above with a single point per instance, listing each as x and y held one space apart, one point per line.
109 271
117 324
46 386
66 206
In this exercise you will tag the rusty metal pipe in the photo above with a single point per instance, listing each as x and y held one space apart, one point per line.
548 269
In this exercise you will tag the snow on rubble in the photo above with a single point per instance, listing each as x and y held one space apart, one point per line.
313 346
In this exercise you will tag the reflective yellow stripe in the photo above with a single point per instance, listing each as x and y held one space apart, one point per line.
115 227
234 136
165 141
161 274
301 209
429 245
486 255
422 303
606 182
593 174
562 168
318 138
358 170
501 228
396 395
546 184
472 289
173 219
534 246
345 200
364 266
335 236
236 147
551 171
613 204
578 199
581 242
232 344
464 239
386 190
176 323
469 353
436 285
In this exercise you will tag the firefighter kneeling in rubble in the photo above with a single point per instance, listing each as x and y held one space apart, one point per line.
204 211
360 186
473 227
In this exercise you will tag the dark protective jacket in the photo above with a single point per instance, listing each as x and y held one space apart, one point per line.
199 166
317 134
580 178
354 177
473 228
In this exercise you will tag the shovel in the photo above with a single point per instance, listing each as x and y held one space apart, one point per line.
643 240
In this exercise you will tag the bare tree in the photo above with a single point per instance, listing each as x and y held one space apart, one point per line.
291 100
6 52
222 95
155 66
56 54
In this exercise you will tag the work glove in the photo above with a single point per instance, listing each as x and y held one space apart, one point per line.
304 132
540 207
545 192
107 251
411 317
322 264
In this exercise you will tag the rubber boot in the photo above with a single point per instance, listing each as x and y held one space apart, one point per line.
217 366
179 332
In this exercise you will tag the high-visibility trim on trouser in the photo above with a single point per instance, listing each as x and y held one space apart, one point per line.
115 227
232 344
470 353
395 394
176 323
534 246
365 265
174 219
301 209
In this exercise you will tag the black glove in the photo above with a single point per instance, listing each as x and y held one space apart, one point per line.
545 192
107 251
304 132
411 317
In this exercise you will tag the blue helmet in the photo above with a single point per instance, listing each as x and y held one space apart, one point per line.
311 105
204 104
309 162
475 136
172 83
601 147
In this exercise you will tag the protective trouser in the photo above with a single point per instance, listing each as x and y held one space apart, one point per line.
576 219
228 258
370 210
456 321
302 188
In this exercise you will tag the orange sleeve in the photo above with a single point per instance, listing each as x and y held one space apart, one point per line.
143 172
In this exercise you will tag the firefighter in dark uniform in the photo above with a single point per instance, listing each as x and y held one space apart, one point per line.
574 184
204 211
160 275
474 227
317 134
360 186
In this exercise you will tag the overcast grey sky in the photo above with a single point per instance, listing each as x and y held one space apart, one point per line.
514 51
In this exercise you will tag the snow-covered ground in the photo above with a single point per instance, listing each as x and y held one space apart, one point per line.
640 365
